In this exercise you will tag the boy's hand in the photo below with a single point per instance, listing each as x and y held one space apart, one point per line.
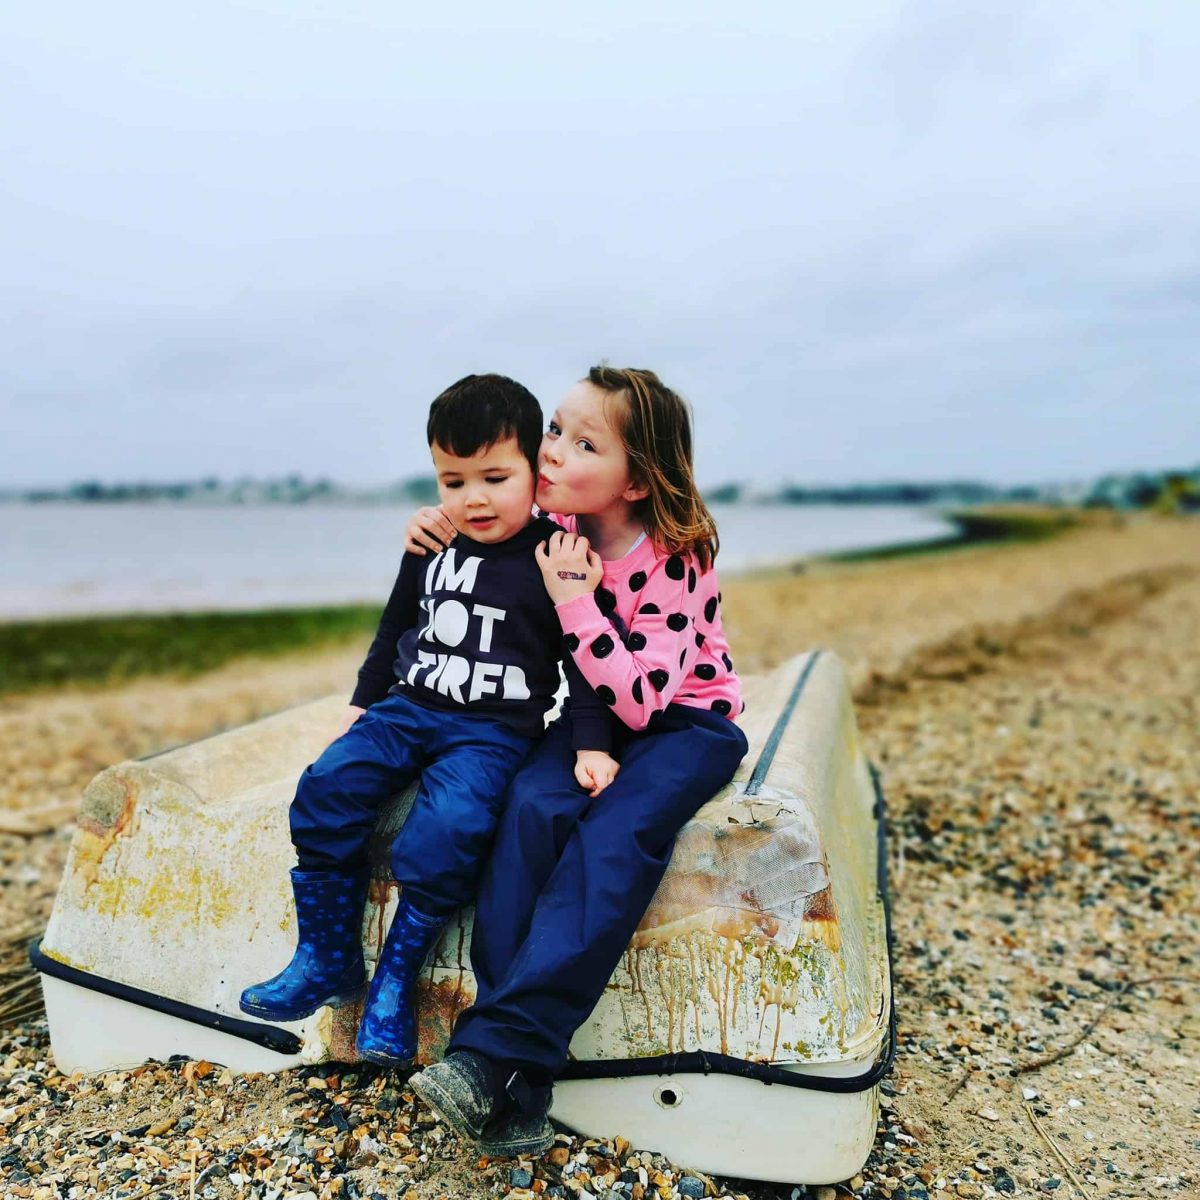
353 712
429 529
570 567
595 770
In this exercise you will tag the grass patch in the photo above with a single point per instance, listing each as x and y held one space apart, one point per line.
100 650
976 527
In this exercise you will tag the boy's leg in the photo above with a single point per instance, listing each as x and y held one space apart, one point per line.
600 888
436 858
541 808
338 797
441 848
331 818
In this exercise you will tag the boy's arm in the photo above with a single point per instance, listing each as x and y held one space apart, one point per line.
377 674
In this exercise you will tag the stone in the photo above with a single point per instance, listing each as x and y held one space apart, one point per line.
689 1185
1002 1181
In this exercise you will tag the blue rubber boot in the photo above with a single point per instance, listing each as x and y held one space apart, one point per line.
327 967
388 1033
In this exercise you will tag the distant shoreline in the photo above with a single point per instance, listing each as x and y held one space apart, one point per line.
99 650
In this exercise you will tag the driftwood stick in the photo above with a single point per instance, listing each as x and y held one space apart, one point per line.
1076 1182
1128 986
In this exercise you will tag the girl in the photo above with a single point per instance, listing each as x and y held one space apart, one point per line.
574 868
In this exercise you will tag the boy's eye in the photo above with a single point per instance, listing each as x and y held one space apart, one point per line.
586 445
553 430
497 479
453 483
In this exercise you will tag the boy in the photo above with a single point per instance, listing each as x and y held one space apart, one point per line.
455 688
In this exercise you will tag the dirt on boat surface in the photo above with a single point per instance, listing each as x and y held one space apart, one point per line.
1033 710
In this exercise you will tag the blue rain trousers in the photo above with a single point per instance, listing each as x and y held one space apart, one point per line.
465 764
571 877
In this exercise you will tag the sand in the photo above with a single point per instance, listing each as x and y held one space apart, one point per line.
1033 710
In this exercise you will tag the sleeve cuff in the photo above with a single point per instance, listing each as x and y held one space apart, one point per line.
367 693
579 613
591 731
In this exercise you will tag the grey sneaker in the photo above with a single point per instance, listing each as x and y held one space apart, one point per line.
520 1134
459 1090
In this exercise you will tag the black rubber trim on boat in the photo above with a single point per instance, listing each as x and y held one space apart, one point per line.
697 1062
767 755
700 1062
282 1041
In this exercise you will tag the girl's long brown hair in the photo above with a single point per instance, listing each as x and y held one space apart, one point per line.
655 426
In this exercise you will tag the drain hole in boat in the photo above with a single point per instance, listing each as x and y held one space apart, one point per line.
668 1098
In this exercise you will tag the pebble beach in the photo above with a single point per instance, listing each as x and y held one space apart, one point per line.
1033 711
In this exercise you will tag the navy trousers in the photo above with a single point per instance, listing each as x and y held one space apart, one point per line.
571 877
465 763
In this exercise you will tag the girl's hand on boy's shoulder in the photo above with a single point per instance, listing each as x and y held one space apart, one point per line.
570 567
595 770
429 529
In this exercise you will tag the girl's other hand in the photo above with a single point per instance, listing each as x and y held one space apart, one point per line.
595 770
352 713
429 529
570 567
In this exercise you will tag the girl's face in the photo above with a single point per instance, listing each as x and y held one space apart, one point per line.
582 463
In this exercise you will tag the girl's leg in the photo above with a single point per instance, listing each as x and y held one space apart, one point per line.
599 889
540 810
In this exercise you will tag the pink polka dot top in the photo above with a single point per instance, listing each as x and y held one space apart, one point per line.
650 635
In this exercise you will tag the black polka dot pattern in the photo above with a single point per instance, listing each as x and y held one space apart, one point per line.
606 602
700 639
650 610
602 647
637 689
710 610
659 679
691 579
706 671
606 694
677 622
637 581
636 642
722 706
675 567
727 661
571 641
682 657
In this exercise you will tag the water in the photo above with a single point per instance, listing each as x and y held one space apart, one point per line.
64 559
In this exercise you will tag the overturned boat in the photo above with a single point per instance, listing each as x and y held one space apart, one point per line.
745 1033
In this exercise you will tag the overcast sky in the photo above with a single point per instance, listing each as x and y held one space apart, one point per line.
867 240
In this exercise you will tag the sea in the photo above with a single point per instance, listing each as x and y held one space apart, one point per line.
59 560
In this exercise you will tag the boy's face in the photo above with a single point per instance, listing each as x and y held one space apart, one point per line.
488 496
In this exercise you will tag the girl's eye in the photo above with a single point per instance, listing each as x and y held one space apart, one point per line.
552 430
498 479
454 483
583 442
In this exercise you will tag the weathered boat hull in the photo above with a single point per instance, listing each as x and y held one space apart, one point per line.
760 969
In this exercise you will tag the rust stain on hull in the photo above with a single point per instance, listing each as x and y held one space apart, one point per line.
439 1003
107 812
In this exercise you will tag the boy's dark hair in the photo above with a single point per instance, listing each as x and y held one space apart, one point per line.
480 410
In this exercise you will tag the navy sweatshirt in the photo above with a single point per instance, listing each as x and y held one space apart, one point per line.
472 630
